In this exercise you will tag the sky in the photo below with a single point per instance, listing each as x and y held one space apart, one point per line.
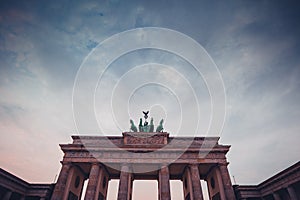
48 51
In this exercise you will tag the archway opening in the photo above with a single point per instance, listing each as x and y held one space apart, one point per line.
145 189
176 189
204 190
112 191
85 183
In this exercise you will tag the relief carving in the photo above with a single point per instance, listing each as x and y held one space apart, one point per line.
155 139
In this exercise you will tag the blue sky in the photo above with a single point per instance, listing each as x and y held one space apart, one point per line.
255 45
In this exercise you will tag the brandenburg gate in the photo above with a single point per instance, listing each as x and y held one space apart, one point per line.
143 155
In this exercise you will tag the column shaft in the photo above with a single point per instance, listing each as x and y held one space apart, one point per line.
68 184
59 189
292 193
130 182
189 182
196 184
276 196
228 189
93 182
7 195
125 184
220 184
164 183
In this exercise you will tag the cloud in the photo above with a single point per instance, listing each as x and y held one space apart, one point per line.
255 46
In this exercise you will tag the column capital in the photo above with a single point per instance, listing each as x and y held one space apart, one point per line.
164 165
193 165
126 167
164 169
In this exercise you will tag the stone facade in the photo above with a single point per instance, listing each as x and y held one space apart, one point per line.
283 186
14 188
146 156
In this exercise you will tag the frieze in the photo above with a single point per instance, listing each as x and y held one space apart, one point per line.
150 139
138 138
152 155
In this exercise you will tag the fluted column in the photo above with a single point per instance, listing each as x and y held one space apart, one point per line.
60 186
220 184
125 183
196 184
93 182
292 193
164 183
7 195
276 196
228 189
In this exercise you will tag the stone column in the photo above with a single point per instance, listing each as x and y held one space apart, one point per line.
130 182
125 183
7 195
228 189
196 185
164 183
68 183
220 184
292 192
42 198
276 196
22 198
102 188
59 189
187 183
93 182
